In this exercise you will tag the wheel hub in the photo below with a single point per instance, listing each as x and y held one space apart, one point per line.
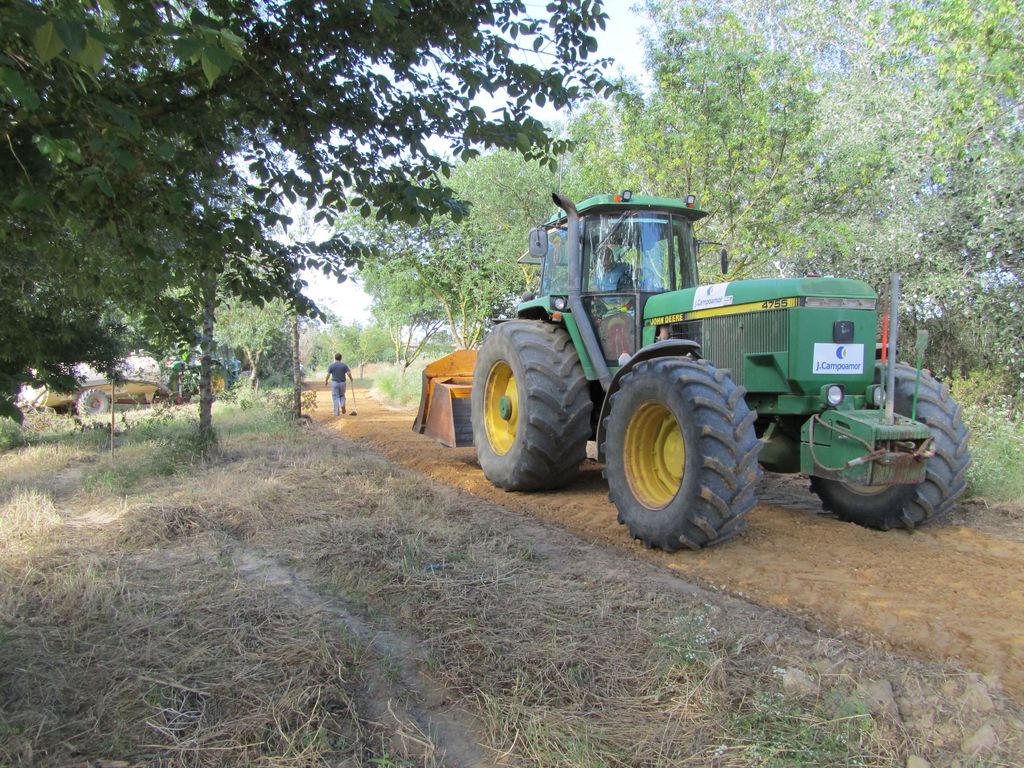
501 408
655 455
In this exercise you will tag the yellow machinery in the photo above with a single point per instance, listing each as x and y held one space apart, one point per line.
444 402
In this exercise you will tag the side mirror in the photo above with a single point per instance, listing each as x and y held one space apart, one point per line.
538 243
723 256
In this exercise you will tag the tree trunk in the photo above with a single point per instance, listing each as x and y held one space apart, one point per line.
206 433
254 378
296 369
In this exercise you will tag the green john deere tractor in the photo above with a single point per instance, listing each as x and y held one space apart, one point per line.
689 389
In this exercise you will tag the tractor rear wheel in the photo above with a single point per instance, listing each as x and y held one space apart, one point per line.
907 506
93 402
682 454
530 407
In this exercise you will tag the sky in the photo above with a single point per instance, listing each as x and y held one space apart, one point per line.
620 41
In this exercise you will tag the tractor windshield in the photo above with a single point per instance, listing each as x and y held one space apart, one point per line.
639 251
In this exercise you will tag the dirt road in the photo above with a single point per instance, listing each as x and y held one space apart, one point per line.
950 592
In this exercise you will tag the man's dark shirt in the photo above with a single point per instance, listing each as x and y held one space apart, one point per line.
338 371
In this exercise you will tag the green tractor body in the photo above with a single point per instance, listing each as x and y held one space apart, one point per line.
687 387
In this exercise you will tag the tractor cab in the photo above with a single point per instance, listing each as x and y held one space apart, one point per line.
631 248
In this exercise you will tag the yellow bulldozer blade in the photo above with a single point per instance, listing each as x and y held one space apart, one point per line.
444 401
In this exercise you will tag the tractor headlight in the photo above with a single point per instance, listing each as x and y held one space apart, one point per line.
834 394
876 396
559 303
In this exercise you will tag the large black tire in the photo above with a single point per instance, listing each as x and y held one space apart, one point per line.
531 407
93 402
907 506
681 454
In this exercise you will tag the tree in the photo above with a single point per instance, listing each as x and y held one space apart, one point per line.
506 197
47 330
121 118
469 270
447 266
402 306
373 345
255 330
729 121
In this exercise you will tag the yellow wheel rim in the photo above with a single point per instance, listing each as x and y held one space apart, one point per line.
655 455
217 384
501 408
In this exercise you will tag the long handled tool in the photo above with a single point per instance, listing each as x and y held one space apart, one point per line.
352 410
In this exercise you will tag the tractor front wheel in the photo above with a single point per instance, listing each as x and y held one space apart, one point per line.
530 407
681 454
907 506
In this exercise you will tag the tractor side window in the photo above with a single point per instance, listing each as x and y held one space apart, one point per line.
555 276
686 252
656 261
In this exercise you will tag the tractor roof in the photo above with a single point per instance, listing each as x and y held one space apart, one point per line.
615 203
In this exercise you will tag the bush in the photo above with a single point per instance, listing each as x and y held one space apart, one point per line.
266 414
997 437
10 434
396 386
277 381
151 448
986 391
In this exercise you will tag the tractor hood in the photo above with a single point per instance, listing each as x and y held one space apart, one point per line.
779 293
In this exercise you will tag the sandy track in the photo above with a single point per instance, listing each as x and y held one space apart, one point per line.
948 592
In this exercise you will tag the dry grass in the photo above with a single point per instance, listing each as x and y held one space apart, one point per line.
38 466
26 517
563 669
126 634
170 658
299 602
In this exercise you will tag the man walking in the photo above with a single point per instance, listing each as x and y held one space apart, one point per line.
336 377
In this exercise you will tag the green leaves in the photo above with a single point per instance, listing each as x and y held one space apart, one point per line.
47 42
232 44
214 49
18 88
215 61
59 150
52 38
139 125
92 54
28 200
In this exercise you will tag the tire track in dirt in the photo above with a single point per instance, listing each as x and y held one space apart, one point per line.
423 724
946 592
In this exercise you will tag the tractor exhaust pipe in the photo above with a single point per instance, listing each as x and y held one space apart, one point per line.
890 372
583 324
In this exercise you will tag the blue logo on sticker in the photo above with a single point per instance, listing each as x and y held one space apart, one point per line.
840 353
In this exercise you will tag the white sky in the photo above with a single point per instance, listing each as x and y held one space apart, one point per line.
620 40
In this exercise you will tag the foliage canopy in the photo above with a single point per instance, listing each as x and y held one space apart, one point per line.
164 137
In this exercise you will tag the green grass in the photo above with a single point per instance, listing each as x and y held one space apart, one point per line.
997 450
166 442
771 730
397 387
10 434
997 437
